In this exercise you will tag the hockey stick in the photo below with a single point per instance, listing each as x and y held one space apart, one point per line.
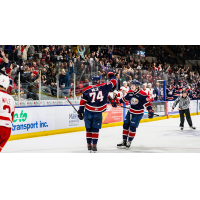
72 105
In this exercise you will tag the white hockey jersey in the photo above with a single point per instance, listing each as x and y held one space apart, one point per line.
126 88
146 91
150 94
7 109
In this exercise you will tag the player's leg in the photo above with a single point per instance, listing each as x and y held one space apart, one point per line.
89 138
96 125
88 126
125 132
95 136
133 125
4 136
188 117
182 118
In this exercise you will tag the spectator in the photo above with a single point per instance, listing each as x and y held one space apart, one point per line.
31 93
4 60
81 51
24 54
31 51
64 78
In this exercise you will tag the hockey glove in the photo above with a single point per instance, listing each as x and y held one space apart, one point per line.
115 102
110 74
80 115
150 114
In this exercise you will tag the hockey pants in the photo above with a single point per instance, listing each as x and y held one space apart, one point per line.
130 124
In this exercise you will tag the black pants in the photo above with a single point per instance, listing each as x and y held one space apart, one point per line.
182 118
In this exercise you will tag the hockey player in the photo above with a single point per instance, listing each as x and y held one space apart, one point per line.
170 93
197 91
122 94
192 94
124 86
7 109
138 99
176 93
94 102
144 88
151 94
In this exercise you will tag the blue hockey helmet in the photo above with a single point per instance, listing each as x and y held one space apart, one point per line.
135 82
95 79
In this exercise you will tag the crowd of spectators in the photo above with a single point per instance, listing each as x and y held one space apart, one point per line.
74 66
186 52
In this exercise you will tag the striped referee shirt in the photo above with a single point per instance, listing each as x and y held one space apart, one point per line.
183 103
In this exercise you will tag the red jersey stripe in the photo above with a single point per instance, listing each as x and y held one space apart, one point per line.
136 111
5 118
96 109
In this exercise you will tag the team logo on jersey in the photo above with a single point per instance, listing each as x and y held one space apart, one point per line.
134 101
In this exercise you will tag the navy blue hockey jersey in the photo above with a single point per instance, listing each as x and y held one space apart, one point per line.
176 93
94 97
137 101
170 94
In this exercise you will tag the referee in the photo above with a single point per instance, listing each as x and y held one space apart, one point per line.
184 102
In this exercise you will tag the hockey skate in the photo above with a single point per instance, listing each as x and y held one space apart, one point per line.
192 127
128 144
90 148
94 148
181 128
122 144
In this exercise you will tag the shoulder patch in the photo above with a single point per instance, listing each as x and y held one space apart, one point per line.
130 91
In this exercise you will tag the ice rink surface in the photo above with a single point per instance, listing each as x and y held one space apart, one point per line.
162 136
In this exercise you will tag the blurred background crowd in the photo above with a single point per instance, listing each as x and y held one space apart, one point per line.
65 70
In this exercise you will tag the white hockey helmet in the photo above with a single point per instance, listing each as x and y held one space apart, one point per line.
4 81
115 91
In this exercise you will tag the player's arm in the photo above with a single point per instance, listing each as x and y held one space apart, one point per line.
82 106
112 83
175 103
147 103
4 57
125 99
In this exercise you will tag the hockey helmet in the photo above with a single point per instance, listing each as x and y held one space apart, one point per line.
95 79
4 81
135 82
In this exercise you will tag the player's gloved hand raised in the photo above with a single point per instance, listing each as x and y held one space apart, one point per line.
110 74
80 115
150 114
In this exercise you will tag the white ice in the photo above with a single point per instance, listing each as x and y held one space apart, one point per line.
162 136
